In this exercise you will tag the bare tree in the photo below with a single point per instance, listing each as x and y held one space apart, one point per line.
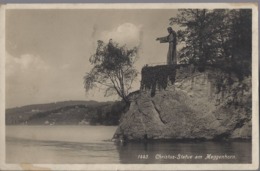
113 69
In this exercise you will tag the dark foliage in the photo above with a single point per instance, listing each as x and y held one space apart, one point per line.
219 37
108 115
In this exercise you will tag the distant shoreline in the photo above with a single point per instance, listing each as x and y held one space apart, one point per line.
67 113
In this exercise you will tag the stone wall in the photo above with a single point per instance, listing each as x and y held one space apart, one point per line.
160 76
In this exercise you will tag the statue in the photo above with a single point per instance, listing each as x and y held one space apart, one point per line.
171 38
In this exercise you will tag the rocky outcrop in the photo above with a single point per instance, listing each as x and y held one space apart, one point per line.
196 106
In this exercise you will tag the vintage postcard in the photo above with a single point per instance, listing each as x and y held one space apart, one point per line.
169 86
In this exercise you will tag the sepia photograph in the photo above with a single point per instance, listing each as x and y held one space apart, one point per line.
129 87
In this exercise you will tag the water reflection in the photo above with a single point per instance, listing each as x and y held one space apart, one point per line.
185 152
90 145
59 152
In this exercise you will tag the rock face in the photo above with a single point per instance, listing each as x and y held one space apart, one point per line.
194 107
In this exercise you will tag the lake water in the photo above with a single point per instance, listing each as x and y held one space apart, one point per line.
91 145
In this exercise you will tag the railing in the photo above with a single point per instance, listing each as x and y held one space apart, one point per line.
154 64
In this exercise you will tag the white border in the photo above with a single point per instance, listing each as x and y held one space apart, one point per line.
255 107
2 85
133 6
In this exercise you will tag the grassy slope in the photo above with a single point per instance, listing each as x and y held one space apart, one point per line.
67 112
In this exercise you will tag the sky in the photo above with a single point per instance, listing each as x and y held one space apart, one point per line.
48 50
